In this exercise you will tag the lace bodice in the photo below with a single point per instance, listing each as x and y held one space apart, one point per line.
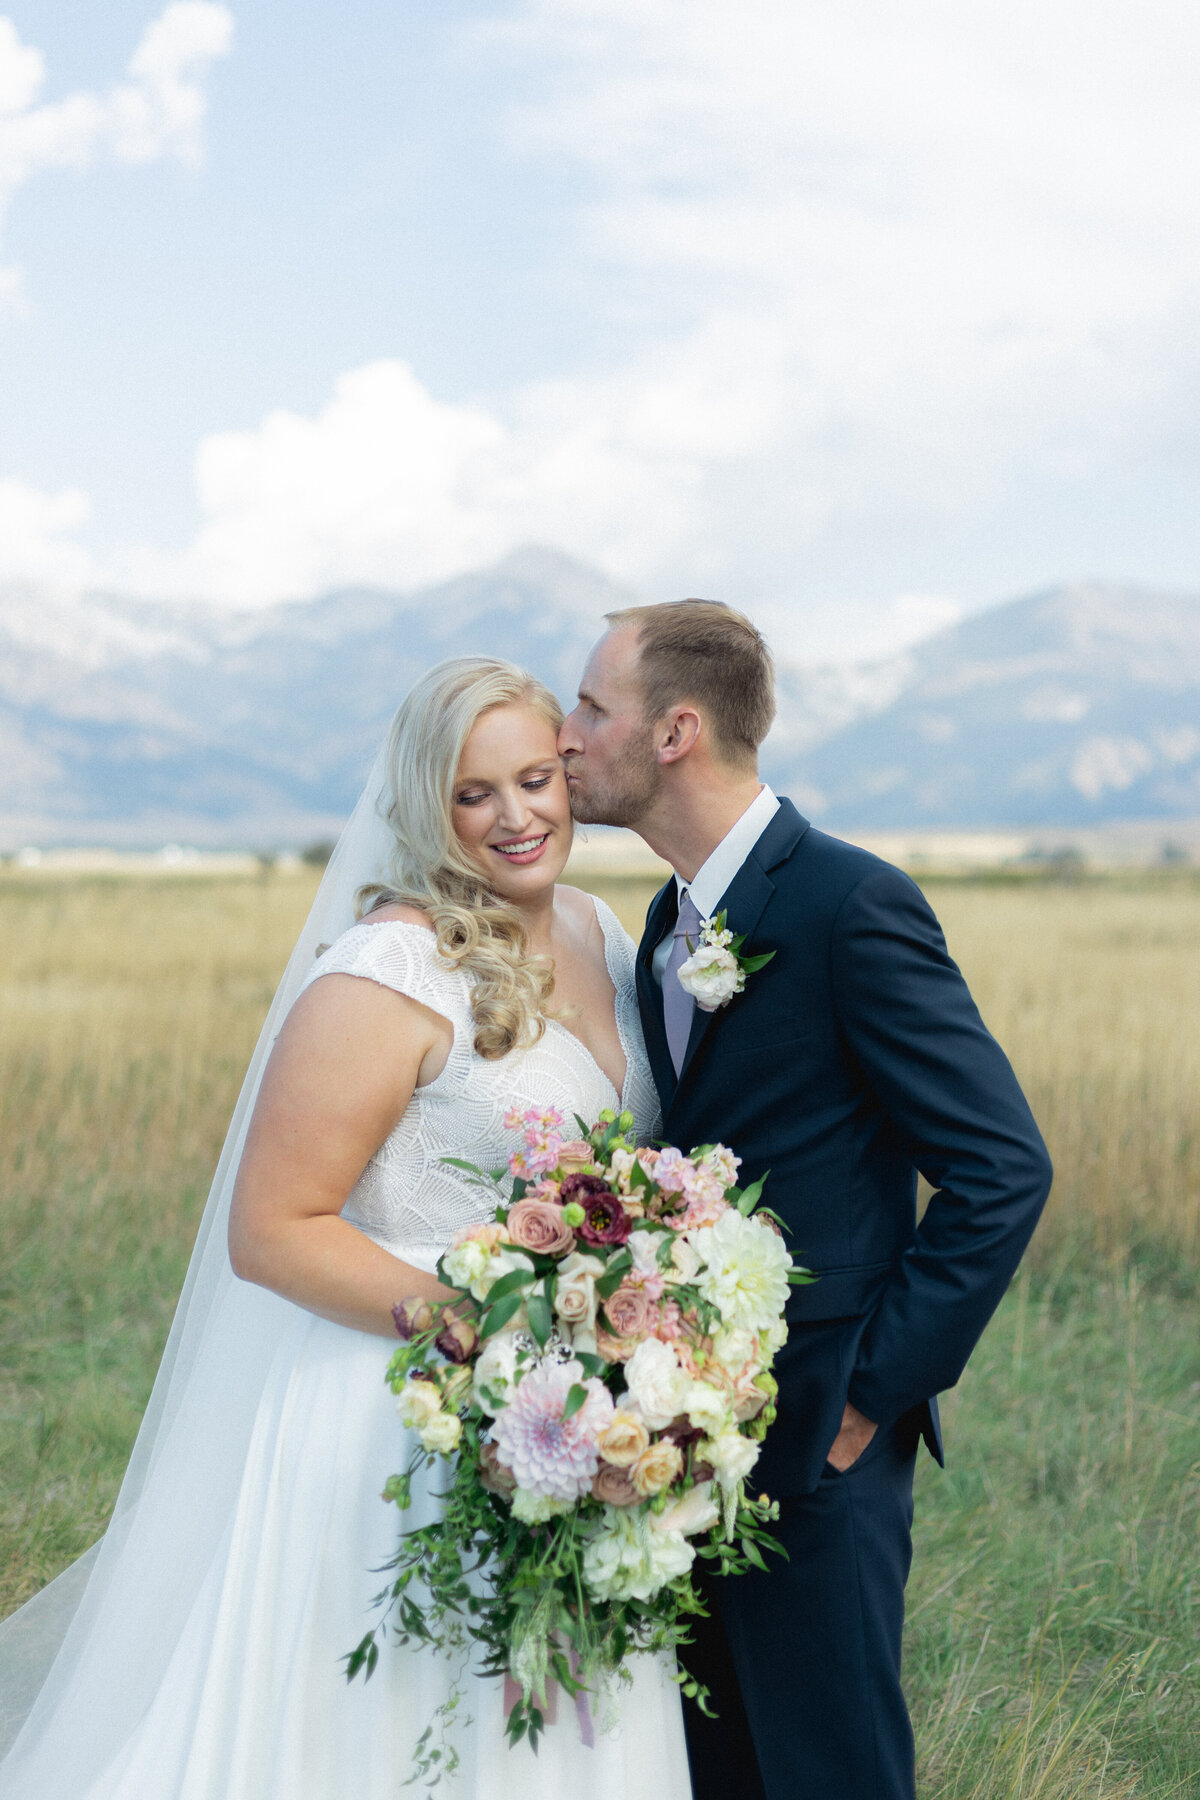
406 1198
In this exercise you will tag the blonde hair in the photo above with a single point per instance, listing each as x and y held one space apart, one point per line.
477 931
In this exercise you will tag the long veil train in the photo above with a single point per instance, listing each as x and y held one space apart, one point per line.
125 1602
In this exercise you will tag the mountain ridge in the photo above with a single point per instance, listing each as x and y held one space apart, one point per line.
127 722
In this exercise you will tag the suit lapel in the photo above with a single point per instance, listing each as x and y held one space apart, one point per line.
744 901
659 920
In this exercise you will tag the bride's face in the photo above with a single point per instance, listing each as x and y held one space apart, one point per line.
512 813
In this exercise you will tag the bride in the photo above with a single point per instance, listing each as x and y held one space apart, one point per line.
195 1653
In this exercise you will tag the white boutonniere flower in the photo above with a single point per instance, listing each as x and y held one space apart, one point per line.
715 971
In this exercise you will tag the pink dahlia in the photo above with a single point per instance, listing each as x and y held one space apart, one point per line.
550 1455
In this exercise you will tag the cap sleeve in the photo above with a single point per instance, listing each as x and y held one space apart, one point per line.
400 956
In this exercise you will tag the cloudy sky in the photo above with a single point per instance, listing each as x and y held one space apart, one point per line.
853 315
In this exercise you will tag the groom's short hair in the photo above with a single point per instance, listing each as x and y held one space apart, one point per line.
704 651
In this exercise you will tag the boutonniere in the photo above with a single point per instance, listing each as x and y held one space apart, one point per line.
716 971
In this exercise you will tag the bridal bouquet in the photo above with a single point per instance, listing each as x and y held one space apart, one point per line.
600 1383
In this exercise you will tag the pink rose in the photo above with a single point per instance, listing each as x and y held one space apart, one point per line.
628 1311
538 1225
614 1486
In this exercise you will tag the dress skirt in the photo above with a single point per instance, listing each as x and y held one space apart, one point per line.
254 1703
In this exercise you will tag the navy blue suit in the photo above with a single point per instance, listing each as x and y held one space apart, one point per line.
851 1062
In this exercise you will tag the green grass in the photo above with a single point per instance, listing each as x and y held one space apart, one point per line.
1054 1642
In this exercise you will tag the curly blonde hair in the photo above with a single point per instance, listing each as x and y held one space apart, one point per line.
477 931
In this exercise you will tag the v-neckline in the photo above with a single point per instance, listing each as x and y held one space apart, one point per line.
616 1008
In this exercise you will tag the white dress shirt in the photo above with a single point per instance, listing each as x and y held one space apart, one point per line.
714 876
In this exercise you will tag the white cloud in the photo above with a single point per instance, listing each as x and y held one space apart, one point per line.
36 536
157 112
879 265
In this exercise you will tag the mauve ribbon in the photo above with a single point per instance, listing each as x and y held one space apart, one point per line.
583 1711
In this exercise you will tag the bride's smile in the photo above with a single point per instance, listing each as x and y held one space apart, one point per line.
512 811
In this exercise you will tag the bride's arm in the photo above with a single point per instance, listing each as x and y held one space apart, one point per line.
343 1069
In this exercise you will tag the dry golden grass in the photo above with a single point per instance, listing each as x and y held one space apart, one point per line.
1055 1600
1094 991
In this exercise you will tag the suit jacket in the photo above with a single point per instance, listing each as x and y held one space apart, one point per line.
853 1060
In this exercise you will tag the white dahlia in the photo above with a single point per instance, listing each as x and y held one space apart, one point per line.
746 1272
549 1455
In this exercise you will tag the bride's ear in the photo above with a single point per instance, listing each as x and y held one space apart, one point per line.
678 734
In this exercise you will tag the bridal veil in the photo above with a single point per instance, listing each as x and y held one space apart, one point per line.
125 1602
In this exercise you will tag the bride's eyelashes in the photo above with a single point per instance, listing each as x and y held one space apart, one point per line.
534 786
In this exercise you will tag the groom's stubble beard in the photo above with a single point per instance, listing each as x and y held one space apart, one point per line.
624 794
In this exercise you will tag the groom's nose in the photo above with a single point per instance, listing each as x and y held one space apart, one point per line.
569 743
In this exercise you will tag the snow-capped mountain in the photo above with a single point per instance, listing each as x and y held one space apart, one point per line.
130 723
1076 706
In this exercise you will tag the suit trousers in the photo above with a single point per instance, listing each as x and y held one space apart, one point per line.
803 1663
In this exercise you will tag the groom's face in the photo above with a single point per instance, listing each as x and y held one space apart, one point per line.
606 745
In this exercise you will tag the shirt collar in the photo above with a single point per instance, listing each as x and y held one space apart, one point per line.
716 874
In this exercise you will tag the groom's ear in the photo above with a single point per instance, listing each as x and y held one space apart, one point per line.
677 734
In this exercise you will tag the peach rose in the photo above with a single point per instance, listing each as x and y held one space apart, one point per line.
538 1225
614 1349
576 1156
624 1439
614 1486
748 1398
657 1467
628 1311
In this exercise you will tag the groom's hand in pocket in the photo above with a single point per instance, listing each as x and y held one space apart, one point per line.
856 1433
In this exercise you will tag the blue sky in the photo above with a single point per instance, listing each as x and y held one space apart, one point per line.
854 316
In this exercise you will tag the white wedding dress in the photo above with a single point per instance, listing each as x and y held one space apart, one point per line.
251 1702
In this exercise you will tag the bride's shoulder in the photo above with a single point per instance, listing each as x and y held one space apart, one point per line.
397 912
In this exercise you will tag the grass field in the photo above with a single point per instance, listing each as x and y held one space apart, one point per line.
1054 1648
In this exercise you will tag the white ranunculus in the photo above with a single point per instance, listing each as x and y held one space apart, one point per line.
706 1409
496 1371
442 1433
418 1402
733 1349
686 1259
626 1560
746 1272
499 1262
712 976
466 1263
643 1247
772 1340
732 1456
658 1387
697 1511
535 1509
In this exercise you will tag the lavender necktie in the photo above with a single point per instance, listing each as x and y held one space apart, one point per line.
678 1004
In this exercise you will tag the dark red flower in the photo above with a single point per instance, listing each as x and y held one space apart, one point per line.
605 1220
581 1187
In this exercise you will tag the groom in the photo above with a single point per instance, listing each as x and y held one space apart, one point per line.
852 1061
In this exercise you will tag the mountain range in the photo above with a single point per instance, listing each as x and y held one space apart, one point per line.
130 723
